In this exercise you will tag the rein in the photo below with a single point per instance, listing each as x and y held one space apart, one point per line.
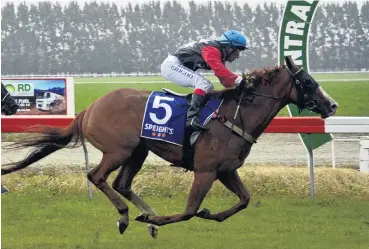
6 95
297 82
303 101
234 117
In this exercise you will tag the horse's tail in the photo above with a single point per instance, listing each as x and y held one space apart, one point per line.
50 140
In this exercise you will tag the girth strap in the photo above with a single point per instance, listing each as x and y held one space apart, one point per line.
239 131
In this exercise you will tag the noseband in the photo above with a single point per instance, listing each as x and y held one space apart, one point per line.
304 100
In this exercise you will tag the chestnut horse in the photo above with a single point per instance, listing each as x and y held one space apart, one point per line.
113 124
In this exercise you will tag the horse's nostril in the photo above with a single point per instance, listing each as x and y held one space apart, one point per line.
334 106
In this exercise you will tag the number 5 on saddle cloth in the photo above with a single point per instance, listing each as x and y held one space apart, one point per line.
165 118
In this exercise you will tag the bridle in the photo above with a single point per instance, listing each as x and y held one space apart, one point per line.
304 100
7 107
3 99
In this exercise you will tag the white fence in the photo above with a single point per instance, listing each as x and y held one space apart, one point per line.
356 143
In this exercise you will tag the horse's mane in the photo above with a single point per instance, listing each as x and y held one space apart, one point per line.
265 75
261 76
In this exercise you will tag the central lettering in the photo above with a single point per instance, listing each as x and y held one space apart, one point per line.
294 46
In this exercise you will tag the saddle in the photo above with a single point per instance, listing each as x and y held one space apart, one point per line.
187 96
190 136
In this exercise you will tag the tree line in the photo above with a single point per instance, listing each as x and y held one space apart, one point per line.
50 38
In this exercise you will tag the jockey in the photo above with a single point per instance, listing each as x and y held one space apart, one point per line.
207 55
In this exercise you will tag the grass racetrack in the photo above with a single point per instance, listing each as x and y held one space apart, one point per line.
52 210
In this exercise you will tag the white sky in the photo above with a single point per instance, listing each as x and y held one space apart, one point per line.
252 3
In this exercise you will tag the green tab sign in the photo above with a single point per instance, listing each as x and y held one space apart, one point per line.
293 41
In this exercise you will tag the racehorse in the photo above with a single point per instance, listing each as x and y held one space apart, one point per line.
8 104
113 124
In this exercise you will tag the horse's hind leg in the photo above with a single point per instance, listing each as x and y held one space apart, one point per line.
98 176
233 182
200 187
123 184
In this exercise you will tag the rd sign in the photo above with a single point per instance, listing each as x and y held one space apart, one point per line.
20 89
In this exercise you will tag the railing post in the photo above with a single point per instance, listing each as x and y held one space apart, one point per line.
364 155
311 165
333 154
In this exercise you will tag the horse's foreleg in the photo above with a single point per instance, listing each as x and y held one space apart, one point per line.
200 187
233 182
123 183
98 176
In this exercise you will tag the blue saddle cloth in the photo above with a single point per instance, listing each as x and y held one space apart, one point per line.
165 116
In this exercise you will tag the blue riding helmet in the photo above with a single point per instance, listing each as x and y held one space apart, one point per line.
233 38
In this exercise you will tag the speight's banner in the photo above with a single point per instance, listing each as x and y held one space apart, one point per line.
41 96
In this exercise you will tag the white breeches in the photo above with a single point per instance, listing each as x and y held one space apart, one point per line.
173 70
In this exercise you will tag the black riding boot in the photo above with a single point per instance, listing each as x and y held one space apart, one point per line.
193 113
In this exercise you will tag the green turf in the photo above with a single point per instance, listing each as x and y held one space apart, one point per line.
119 79
352 97
340 76
43 219
318 77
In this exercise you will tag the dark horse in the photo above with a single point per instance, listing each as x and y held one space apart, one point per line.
113 123
8 104
8 107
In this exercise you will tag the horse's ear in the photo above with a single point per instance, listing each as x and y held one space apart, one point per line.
249 80
243 76
289 62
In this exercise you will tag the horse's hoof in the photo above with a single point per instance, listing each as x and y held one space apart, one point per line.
143 217
153 230
203 213
122 225
4 190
